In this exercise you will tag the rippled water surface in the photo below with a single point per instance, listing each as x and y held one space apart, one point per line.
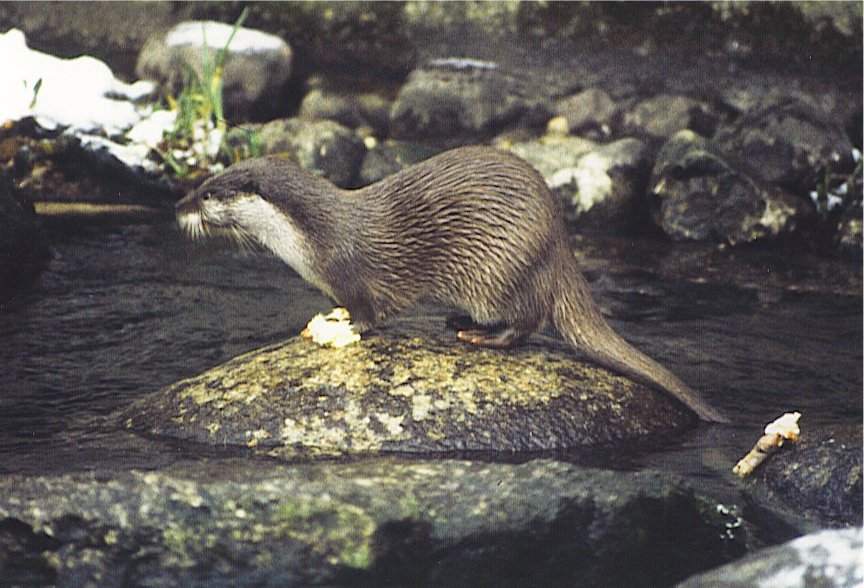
121 311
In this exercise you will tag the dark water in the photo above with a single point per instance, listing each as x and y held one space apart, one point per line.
121 311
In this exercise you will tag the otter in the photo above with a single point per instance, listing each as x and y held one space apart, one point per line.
474 227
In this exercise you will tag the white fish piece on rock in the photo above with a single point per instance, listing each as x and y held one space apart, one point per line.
81 93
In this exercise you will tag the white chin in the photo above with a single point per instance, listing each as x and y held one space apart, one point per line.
192 224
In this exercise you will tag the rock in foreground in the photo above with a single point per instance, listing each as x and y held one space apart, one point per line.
829 559
406 389
374 523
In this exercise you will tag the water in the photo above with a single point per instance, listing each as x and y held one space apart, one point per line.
121 311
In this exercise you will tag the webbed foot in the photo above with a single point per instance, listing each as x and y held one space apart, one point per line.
497 338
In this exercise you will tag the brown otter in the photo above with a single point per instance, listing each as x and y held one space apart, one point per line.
474 227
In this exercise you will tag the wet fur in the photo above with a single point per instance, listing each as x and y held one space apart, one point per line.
474 227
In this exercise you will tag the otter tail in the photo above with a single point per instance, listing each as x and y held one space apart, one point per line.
579 321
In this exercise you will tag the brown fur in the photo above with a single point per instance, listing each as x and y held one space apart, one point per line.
474 227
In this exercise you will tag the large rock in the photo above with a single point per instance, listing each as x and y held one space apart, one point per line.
696 194
597 183
590 113
817 480
372 523
406 389
460 101
785 142
320 146
389 157
256 69
829 559
369 110
661 116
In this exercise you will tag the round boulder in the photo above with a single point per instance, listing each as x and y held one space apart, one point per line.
406 389
256 69
454 102
819 478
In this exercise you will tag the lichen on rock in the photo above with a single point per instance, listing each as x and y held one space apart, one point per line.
405 389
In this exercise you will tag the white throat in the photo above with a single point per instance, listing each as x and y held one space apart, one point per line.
278 233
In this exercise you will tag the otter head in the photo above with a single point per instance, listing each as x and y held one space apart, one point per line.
220 205
263 201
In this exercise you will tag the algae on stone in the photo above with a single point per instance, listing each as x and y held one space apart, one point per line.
406 389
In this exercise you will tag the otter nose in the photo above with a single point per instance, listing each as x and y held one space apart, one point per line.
185 204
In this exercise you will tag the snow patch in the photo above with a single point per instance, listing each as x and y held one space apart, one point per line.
216 35
80 94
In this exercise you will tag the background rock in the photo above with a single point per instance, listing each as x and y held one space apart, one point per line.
256 69
459 101
786 143
663 115
388 158
697 195
829 559
321 146
590 113
350 110
598 184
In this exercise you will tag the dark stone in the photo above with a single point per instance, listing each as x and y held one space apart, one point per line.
320 146
351 110
590 113
23 243
406 389
661 116
817 479
390 157
454 102
256 68
696 194
828 559
372 523
786 142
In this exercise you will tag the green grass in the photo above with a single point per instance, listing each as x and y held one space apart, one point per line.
200 113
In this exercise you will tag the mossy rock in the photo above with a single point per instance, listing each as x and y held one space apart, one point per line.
406 388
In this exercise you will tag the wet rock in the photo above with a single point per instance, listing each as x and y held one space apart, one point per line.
320 146
597 183
696 194
818 479
460 101
378 522
23 244
591 113
257 65
661 116
785 142
829 559
351 110
390 157
406 389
